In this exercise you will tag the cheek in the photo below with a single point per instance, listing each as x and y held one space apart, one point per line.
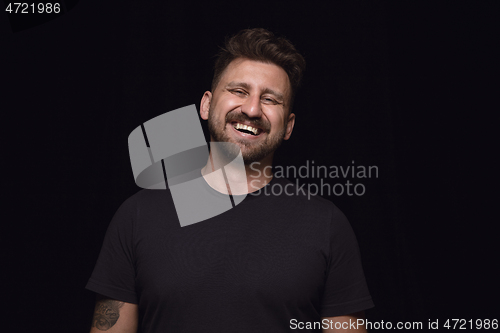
278 122
231 102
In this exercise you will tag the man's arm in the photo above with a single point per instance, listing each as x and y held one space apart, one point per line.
348 323
114 316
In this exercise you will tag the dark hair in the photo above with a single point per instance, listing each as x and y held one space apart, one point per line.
261 45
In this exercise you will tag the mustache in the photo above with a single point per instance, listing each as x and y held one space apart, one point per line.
240 117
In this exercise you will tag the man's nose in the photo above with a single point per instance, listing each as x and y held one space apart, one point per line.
252 107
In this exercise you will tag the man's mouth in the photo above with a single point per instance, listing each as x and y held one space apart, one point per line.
247 129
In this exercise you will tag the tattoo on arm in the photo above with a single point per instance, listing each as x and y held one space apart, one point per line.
107 312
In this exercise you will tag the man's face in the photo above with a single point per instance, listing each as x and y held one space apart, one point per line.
254 94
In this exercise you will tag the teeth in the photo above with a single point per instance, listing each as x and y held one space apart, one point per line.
245 127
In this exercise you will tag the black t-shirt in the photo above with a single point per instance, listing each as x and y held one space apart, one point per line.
254 268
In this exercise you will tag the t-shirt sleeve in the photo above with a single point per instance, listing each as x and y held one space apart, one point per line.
345 290
114 272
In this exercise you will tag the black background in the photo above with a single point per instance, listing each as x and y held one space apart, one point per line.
406 86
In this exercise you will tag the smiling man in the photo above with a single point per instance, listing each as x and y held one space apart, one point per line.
250 107
273 263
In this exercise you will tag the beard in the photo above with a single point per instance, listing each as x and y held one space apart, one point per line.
251 151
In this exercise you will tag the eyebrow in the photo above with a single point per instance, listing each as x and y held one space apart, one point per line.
234 84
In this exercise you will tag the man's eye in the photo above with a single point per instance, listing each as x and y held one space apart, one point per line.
269 100
238 92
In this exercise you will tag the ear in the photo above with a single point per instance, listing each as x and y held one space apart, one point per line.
205 105
289 126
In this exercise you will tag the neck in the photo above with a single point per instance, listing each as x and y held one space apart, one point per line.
242 178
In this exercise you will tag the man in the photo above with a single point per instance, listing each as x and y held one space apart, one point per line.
273 263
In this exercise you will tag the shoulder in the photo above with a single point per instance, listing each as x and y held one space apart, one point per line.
298 195
315 206
143 209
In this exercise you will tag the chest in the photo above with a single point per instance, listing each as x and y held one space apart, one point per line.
275 263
